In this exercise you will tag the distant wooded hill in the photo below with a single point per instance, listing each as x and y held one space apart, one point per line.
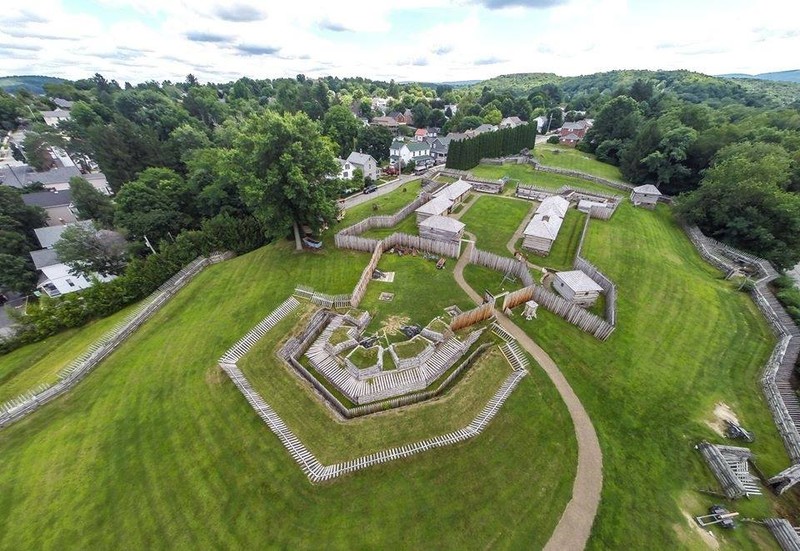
687 85
33 83
778 76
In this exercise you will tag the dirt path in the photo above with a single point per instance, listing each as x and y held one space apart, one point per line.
575 525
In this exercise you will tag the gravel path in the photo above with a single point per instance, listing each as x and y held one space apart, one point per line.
575 525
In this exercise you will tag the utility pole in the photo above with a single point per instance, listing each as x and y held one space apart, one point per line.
147 242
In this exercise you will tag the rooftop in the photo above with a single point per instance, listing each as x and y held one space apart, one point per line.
578 281
44 258
49 235
358 158
442 223
46 199
435 206
647 189
454 190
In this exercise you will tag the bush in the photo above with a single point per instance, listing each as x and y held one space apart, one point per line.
552 139
143 276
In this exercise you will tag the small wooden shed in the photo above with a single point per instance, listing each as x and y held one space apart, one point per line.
455 191
577 287
645 196
441 228
541 232
438 206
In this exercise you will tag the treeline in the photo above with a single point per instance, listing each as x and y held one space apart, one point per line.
466 154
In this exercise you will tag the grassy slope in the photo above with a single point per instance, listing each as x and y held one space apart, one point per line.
685 340
493 221
157 449
527 175
572 159
38 363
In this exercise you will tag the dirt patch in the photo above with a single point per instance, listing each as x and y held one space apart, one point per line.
707 536
214 376
722 414
392 324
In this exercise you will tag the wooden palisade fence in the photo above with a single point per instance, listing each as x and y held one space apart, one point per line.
80 367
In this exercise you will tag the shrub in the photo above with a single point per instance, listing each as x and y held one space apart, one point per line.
552 139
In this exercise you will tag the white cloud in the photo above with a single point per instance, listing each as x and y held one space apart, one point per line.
431 40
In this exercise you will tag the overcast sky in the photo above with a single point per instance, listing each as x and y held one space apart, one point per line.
426 40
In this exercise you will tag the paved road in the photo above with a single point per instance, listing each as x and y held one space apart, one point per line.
388 187
575 525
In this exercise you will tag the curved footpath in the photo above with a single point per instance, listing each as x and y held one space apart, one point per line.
575 525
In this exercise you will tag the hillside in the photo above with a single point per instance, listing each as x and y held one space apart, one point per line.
33 83
688 85
777 76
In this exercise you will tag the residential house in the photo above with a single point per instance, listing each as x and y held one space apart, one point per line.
439 148
577 287
57 205
24 175
387 122
403 118
452 107
62 103
511 122
541 123
482 129
404 152
52 118
345 169
571 133
432 131
541 232
379 104
55 278
420 134
645 196
366 162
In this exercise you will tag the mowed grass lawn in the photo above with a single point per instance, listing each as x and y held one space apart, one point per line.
493 221
570 158
527 175
158 449
30 366
686 339
562 255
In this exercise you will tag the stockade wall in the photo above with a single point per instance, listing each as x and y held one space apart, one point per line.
78 369
384 221
575 315
779 368
503 264
471 317
427 245
512 300
366 277
602 213
609 289
584 176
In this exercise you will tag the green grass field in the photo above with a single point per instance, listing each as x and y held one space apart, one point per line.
686 339
30 366
570 158
527 175
493 221
157 449
562 255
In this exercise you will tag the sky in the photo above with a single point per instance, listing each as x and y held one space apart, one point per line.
406 40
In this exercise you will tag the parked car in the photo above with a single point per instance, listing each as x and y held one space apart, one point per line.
370 188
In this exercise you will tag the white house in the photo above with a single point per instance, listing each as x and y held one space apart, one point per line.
541 123
367 164
403 152
52 118
55 278
577 287
541 232
345 169
645 196
452 107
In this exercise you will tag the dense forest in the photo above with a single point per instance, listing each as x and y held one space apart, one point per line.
234 165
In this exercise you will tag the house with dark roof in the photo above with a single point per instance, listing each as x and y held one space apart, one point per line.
52 118
366 162
571 133
57 205
62 103
571 139
511 122
404 117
